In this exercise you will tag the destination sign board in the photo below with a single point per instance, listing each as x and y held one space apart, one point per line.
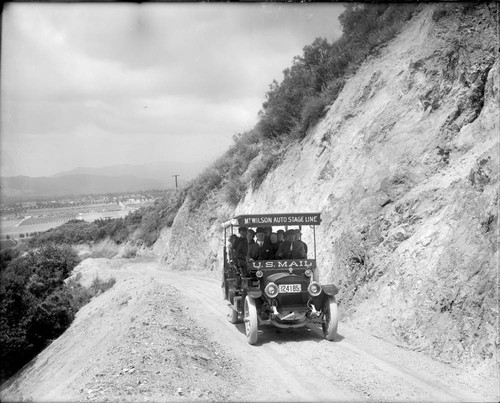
282 264
257 220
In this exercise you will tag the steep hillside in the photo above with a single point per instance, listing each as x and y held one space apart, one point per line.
404 170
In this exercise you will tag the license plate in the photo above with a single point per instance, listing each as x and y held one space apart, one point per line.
285 288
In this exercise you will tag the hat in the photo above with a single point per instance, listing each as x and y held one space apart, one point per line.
251 231
260 229
280 231
290 232
242 229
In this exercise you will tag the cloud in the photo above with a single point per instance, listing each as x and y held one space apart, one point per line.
112 76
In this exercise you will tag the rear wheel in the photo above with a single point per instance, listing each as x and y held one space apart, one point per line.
331 319
232 315
251 324
224 288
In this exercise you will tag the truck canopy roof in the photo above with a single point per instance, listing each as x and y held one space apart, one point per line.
267 220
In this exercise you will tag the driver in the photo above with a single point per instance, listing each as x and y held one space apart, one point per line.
298 238
290 248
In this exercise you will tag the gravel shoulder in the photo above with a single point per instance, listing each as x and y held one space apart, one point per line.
159 335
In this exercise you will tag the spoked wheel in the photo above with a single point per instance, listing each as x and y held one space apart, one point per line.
331 319
232 315
250 317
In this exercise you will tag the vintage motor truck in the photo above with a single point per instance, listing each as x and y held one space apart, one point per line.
281 293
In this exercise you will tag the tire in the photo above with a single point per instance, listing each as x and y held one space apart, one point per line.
250 318
331 319
232 315
224 284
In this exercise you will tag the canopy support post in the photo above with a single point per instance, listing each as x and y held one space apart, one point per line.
314 237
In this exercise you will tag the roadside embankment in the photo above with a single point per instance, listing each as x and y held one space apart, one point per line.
404 171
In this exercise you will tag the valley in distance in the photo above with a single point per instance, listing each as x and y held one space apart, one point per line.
30 205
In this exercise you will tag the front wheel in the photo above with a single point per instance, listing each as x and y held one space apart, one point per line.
330 319
251 324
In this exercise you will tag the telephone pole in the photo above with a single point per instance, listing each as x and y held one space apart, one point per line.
175 176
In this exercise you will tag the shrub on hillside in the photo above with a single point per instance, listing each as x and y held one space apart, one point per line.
35 305
7 255
160 216
129 252
81 295
234 191
316 77
98 285
261 169
314 109
226 170
72 232
209 180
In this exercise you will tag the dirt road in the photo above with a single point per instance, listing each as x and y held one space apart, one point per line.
159 335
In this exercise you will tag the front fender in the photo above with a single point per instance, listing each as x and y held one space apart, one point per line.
254 292
330 290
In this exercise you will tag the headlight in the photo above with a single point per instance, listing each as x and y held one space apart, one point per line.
314 289
308 272
271 290
259 273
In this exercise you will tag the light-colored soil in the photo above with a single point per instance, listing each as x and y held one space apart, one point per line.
159 335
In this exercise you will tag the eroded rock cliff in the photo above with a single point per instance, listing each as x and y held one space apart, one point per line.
404 170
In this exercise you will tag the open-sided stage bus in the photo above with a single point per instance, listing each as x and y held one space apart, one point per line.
281 293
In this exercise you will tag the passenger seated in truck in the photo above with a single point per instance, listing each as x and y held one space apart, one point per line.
274 244
298 238
290 248
281 235
242 231
267 232
242 249
260 250
231 252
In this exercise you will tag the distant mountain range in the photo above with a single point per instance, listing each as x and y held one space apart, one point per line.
160 171
111 179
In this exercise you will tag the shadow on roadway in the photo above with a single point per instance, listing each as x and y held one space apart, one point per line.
274 334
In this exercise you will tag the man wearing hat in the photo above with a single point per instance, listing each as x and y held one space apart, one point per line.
243 245
243 235
260 250
290 248
298 238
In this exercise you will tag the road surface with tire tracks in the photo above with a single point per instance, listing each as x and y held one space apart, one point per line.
298 364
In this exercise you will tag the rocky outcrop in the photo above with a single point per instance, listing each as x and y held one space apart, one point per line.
404 170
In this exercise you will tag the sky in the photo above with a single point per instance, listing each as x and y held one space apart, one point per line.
105 84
